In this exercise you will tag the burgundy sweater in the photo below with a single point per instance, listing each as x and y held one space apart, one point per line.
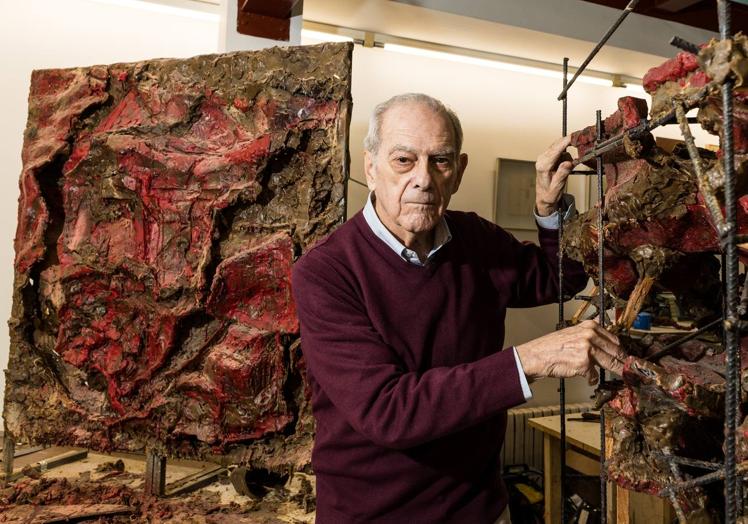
409 384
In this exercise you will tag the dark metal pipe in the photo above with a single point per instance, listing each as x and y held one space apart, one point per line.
693 483
601 287
561 321
712 204
667 349
350 179
627 10
731 255
685 45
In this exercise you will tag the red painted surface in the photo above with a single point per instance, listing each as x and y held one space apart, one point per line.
162 206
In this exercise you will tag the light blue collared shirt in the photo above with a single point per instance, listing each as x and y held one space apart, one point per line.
442 235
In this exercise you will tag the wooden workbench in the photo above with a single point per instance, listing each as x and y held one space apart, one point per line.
583 455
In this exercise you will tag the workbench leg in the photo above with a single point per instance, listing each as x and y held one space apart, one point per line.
552 478
155 474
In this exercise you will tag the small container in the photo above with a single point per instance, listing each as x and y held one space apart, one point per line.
643 321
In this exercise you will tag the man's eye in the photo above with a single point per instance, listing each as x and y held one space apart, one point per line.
442 160
402 160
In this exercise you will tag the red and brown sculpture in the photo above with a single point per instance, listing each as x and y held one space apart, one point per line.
663 226
162 206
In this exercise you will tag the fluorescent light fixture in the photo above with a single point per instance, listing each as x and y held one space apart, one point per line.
155 7
320 36
636 88
494 64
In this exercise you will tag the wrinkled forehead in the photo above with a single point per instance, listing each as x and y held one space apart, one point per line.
418 124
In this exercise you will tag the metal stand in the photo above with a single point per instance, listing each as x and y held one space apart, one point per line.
155 474
727 228
9 453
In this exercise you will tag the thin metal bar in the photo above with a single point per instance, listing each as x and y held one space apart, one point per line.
645 126
627 10
693 483
601 287
685 45
676 474
561 323
731 255
705 187
668 348
357 182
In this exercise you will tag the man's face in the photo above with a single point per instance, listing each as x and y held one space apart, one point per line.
416 170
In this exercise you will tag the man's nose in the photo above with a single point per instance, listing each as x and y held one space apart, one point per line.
422 175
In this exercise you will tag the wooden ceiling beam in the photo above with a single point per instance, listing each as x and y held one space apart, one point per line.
267 18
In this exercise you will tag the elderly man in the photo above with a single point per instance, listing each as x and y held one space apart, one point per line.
402 326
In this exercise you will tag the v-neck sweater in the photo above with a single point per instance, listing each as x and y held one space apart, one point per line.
409 382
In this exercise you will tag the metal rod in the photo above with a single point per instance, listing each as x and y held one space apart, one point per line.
668 348
601 287
628 9
731 253
702 179
357 182
561 323
676 474
693 483
644 126
685 45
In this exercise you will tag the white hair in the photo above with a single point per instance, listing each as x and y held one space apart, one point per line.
373 139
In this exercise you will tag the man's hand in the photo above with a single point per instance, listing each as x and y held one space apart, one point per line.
574 351
552 168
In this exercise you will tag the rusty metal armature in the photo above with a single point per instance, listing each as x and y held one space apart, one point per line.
627 10
705 187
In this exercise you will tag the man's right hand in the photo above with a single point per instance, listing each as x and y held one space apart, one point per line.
573 351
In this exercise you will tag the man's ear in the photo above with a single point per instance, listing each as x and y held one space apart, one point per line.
462 163
369 170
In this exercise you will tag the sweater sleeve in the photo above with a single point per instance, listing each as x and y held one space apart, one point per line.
367 382
529 272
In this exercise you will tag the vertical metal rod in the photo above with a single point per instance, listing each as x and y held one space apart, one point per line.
561 322
601 287
731 253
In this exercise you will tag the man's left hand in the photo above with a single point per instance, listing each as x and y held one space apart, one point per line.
552 168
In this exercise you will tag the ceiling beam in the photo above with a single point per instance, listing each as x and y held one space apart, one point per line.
267 18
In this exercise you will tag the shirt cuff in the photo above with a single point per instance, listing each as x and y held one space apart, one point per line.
526 391
551 221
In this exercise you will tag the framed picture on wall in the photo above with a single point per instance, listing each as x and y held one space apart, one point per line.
514 194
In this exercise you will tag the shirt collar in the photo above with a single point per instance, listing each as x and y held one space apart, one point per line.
442 235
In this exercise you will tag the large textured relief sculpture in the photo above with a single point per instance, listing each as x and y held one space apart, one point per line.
162 205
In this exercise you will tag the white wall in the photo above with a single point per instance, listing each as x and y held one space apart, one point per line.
39 34
504 114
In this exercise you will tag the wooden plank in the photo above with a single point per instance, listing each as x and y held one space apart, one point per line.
584 435
623 503
583 463
79 512
552 478
195 481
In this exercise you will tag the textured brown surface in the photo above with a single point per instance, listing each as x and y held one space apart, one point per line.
162 205
658 227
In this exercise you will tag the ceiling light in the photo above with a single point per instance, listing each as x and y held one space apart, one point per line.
320 36
155 7
494 64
